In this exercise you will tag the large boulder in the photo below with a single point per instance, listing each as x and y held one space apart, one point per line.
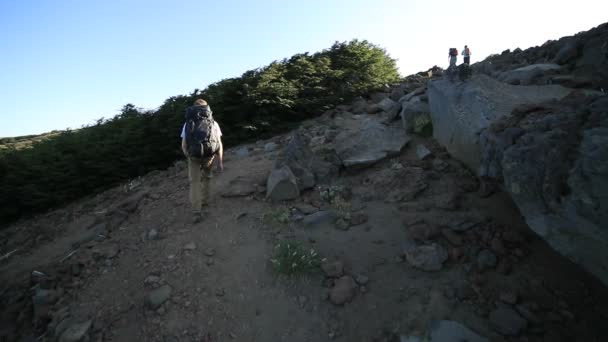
365 140
553 160
528 74
282 185
300 159
460 111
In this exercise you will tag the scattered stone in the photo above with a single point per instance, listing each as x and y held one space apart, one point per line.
302 300
220 292
343 290
306 209
507 321
361 279
486 260
333 269
318 218
76 332
209 262
158 296
464 291
453 237
451 331
440 165
422 152
242 152
152 234
358 219
464 225
108 251
508 297
240 187
151 279
423 232
190 246
427 257
209 252
270 147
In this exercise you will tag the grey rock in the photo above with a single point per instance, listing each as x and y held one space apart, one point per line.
526 75
359 106
409 96
242 152
565 149
486 260
300 159
390 107
343 290
451 331
427 257
108 251
507 321
190 246
282 185
239 187
460 113
333 269
319 218
422 152
209 252
151 280
361 279
158 296
152 234
364 141
306 209
76 332
270 147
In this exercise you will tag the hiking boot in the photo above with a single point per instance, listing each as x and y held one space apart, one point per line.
196 218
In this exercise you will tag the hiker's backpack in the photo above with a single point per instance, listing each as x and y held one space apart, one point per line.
453 52
201 139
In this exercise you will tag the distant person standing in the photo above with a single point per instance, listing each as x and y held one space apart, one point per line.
453 56
201 143
466 52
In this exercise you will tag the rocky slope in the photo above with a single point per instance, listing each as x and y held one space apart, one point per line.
536 122
412 246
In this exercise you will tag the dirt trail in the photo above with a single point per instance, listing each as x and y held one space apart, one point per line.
222 284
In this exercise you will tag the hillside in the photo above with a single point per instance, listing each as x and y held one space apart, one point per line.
391 218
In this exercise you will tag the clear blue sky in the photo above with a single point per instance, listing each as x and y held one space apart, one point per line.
66 63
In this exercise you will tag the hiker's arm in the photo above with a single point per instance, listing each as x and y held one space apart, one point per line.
220 154
184 147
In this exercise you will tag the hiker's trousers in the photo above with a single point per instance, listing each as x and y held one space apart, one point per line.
199 174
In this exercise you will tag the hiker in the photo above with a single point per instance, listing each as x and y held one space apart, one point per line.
466 52
201 143
453 55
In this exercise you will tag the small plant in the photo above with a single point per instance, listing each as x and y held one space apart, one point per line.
277 216
331 193
291 258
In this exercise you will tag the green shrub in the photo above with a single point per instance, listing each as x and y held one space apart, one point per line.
292 258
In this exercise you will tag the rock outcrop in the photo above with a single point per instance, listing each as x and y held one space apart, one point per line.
460 111
365 140
536 121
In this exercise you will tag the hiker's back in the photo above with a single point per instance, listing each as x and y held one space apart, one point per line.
201 139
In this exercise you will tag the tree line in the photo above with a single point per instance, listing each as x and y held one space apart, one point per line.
256 105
